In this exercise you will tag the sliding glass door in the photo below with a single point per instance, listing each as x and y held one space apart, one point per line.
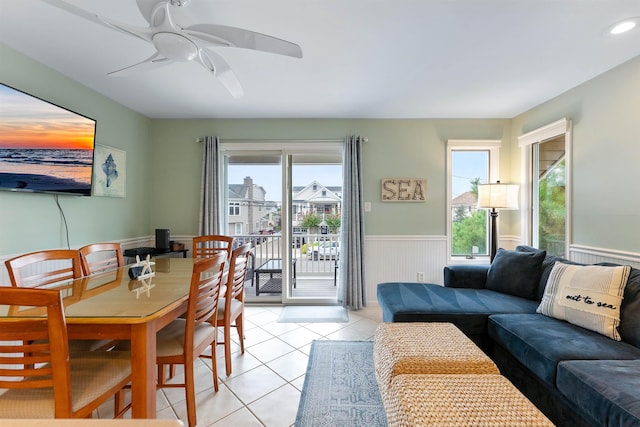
285 199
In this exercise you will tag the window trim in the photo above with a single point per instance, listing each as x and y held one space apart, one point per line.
526 142
237 206
491 145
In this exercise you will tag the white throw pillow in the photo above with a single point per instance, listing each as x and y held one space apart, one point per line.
586 295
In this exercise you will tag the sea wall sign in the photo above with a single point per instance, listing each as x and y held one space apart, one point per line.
404 189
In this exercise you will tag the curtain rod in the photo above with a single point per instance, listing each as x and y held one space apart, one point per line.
201 139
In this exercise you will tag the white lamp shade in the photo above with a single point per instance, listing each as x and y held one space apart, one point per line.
498 196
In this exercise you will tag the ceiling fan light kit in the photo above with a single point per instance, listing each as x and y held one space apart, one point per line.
175 47
175 43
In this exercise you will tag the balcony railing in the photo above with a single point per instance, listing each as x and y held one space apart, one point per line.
266 247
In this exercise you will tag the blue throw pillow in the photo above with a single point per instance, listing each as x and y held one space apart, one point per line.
516 273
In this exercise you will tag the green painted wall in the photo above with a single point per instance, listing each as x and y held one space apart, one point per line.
30 222
396 148
605 112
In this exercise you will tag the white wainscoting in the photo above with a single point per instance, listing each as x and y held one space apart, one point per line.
401 258
590 255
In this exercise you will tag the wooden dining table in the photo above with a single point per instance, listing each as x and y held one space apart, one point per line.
112 306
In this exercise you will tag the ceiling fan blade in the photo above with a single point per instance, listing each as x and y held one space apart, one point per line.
142 33
221 35
152 62
146 8
219 68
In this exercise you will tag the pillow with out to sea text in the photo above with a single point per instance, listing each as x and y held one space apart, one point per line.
586 295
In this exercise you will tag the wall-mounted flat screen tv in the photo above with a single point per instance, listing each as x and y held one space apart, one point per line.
44 147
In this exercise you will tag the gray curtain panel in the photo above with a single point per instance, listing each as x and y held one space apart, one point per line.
351 284
210 202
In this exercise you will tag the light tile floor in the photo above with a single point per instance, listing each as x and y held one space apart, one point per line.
264 387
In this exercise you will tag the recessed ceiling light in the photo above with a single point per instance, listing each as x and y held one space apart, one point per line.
624 26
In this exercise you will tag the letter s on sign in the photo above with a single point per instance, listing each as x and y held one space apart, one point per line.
389 190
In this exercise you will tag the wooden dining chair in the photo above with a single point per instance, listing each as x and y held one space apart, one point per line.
183 340
231 312
39 378
49 268
44 269
209 245
101 257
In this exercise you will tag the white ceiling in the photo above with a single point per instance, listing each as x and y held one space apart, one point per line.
362 58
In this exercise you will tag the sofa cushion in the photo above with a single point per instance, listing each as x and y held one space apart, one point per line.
516 273
605 391
547 265
466 276
587 296
468 309
630 310
540 343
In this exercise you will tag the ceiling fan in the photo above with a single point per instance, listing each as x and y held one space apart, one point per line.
174 42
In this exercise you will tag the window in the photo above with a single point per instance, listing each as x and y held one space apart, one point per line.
547 163
234 208
238 229
469 163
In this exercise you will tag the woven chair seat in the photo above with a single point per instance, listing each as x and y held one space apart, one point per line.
170 339
91 374
460 400
425 348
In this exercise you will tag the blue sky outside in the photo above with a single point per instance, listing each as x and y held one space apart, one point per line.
468 165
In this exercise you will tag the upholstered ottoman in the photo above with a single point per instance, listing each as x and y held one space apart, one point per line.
425 348
459 400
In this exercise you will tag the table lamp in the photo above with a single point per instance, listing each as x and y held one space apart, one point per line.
497 196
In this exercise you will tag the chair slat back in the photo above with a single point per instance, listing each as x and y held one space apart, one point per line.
34 351
101 257
204 293
238 265
209 245
44 268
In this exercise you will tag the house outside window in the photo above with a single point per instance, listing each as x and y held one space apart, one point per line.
469 163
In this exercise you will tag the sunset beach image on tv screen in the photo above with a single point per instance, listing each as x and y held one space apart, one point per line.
43 147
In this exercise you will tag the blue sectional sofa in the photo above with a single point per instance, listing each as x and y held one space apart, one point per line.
576 376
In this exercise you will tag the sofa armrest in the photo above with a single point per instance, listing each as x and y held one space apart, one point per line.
465 276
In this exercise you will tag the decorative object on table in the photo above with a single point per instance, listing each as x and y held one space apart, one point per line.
109 173
142 272
340 387
497 196
404 190
141 269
